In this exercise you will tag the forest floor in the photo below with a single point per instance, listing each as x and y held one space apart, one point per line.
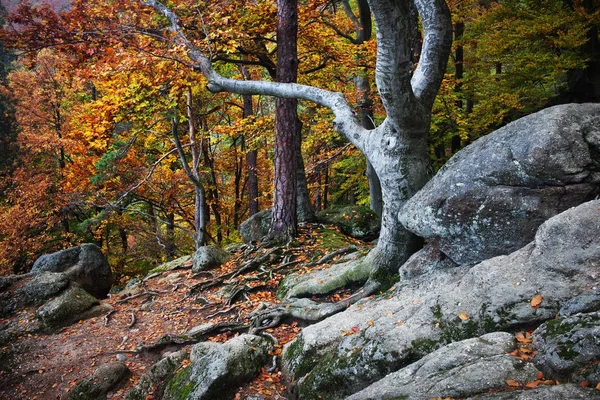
48 366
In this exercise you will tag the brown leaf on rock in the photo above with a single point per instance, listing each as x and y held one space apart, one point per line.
536 301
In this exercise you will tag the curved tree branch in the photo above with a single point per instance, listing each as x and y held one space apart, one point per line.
345 121
437 42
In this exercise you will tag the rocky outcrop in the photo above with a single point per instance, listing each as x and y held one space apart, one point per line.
85 265
567 348
72 305
436 306
44 286
217 369
560 392
255 228
355 221
459 370
207 257
152 383
489 199
102 381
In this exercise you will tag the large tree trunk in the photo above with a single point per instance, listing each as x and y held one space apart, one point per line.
283 224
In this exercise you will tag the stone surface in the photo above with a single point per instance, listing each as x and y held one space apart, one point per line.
587 302
217 369
43 286
559 392
458 370
152 382
207 257
83 264
355 221
489 199
567 346
66 308
181 262
423 312
255 228
102 381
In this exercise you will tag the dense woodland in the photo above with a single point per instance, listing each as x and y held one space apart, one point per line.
108 134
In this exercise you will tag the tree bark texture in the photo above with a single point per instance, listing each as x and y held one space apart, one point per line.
284 220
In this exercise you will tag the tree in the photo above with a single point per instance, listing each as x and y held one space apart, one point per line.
397 148
283 223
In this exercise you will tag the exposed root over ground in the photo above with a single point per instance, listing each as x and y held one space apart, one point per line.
175 309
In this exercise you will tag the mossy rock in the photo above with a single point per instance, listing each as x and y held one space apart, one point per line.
66 308
355 221
216 370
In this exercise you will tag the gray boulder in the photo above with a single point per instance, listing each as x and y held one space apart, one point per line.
44 286
152 383
569 346
489 199
102 381
355 221
85 265
72 305
560 392
207 257
217 369
255 228
441 305
461 369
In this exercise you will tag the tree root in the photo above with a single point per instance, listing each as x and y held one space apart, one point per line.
330 256
305 310
184 340
135 296
249 266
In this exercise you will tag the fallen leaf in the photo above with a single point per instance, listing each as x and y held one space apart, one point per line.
584 384
400 323
521 338
540 375
355 329
463 316
371 323
512 383
536 301
533 384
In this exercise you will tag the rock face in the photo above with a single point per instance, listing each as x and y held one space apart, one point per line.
70 306
568 346
217 369
207 257
103 380
461 369
355 221
435 306
489 199
83 264
151 384
44 285
560 392
255 228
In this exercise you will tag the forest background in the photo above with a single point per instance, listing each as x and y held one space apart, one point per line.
101 124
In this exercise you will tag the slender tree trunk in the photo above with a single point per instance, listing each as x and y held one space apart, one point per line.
170 236
459 30
304 209
283 224
251 157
